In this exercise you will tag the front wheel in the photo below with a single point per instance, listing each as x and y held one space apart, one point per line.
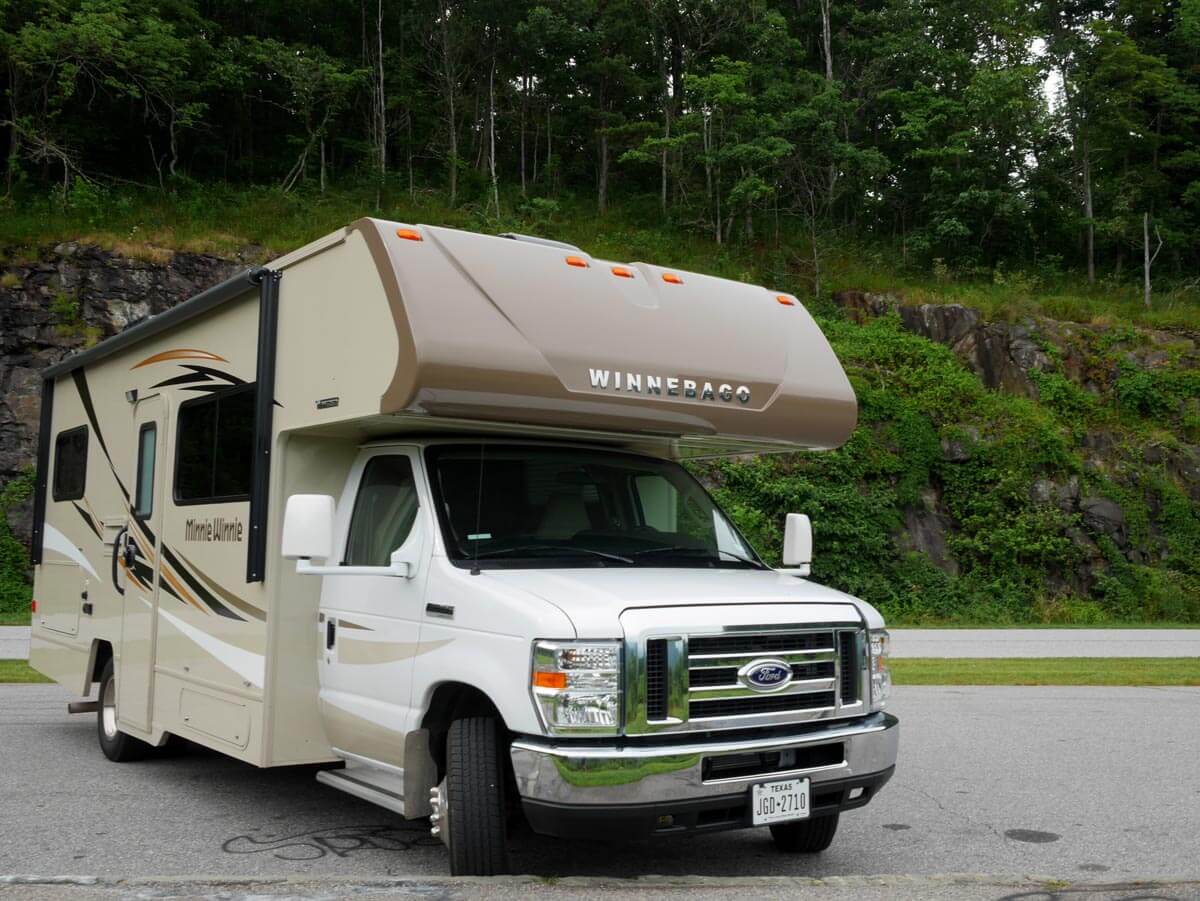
115 744
469 809
805 836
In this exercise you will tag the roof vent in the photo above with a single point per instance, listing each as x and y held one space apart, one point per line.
545 242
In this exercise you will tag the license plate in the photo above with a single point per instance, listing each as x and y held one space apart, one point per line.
778 802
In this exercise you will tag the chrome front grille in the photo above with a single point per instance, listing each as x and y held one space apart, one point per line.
694 681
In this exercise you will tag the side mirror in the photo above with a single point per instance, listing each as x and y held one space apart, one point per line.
797 542
308 527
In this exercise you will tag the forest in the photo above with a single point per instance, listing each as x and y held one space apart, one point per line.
964 136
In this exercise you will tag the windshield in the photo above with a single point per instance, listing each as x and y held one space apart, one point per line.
544 507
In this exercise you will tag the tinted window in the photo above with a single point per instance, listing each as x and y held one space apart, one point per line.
147 450
70 464
215 447
555 507
383 512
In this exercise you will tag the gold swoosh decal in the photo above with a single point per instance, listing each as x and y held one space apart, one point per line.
182 353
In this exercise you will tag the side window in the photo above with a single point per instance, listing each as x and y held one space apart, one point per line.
70 464
665 508
147 450
215 447
384 511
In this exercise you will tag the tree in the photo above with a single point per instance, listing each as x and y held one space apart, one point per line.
309 85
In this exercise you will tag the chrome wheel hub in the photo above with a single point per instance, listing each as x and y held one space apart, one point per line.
439 817
108 708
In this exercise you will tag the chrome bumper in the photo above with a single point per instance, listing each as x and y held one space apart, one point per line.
584 775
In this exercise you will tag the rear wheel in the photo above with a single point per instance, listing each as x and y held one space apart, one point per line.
805 836
115 744
469 805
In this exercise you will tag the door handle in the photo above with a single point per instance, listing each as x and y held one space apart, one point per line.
330 633
117 546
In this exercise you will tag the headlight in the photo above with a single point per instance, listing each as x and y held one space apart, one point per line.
577 686
881 675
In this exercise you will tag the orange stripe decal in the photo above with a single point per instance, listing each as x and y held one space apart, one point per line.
182 353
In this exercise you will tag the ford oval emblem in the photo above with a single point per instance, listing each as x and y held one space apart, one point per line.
766 675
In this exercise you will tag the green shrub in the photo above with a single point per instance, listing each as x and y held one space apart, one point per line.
15 590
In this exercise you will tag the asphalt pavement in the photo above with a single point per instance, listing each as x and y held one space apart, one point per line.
14 642
1074 785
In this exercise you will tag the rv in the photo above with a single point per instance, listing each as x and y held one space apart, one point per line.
409 502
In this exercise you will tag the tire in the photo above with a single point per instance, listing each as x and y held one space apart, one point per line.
806 836
474 795
116 745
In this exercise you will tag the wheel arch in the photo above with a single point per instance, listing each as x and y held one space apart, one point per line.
448 702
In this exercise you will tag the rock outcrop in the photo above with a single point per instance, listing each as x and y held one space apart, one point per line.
63 301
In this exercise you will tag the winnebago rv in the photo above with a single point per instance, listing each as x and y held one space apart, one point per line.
408 500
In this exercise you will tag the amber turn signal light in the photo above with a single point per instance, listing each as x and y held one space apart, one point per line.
550 680
408 234
577 262
672 279
785 300
622 272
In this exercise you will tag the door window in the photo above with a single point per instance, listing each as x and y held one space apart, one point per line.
147 448
384 511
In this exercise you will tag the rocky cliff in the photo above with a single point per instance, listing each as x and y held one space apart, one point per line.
68 298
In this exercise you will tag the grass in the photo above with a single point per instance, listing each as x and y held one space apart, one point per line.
19 671
1047 671
1107 624
18 618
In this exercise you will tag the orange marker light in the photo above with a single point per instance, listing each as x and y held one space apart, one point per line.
672 279
409 234
577 262
622 272
785 300
550 680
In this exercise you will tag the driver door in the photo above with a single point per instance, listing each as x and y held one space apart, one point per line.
370 624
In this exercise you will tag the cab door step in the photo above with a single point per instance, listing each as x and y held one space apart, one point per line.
369 784
83 706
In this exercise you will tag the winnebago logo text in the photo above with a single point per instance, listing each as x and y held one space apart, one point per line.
671 386
218 528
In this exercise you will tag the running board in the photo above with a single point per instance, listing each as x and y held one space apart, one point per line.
83 706
376 787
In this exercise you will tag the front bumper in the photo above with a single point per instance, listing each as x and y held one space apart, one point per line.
633 789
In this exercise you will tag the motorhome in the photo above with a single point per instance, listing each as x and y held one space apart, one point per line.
411 502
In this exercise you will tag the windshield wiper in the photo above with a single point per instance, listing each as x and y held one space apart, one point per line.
565 551
677 548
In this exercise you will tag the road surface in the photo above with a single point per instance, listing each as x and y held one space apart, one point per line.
1075 784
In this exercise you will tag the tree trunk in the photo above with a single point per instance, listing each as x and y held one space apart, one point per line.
524 96
1147 257
322 164
660 41
1087 214
492 136
602 187
827 37
448 88
381 109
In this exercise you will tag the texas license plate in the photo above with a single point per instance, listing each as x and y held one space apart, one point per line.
778 802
